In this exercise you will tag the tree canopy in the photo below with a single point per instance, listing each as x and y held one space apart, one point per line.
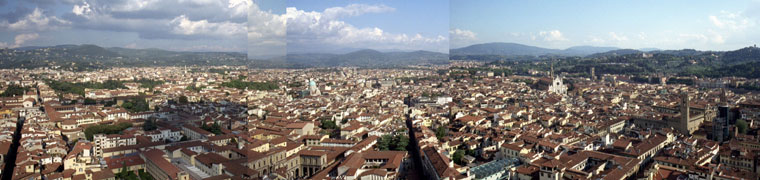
194 88
14 90
149 83
150 125
741 126
440 132
137 104
78 88
106 129
327 124
214 128
89 101
395 143
458 155
250 85
183 99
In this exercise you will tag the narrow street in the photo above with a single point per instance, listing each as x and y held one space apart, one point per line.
10 158
415 148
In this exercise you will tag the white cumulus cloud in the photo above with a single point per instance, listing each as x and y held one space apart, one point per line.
551 36
618 37
460 34
355 10
37 21
239 7
731 21
22 38
19 40
266 33
183 25
595 40
309 28
461 37
81 10
263 26
165 19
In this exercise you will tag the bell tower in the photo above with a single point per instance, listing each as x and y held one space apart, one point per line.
683 125
551 69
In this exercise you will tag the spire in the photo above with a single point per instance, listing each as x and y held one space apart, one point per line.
551 72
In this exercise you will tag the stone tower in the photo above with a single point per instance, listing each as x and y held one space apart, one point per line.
551 70
683 124
720 123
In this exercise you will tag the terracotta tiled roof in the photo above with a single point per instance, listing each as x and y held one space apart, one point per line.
156 157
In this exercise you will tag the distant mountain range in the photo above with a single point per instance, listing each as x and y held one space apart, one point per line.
742 62
367 58
617 52
514 49
490 52
88 57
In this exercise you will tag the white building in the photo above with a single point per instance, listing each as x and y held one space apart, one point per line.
557 86
443 100
164 134
103 142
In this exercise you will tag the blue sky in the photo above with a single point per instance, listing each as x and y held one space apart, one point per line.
272 6
367 24
704 25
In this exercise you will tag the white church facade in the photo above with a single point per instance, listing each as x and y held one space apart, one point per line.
557 86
